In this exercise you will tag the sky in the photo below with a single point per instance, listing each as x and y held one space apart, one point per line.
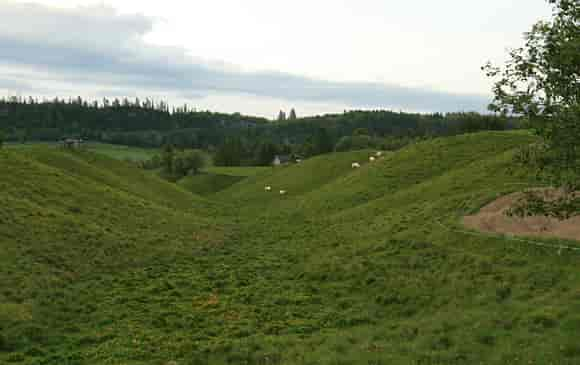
261 56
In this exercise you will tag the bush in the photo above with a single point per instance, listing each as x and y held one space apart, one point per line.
486 339
351 143
571 349
16 357
5 345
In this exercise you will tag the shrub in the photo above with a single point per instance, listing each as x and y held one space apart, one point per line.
571 349
502 293
5 345
486 339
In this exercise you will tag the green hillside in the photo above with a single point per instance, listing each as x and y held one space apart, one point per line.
119 152
217 178
237 171
102 263
296 179
208 183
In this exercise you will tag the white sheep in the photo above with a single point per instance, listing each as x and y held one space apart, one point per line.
371 159
355 165
268 188
282 192
379 154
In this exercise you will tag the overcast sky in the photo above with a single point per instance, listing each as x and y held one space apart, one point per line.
260 56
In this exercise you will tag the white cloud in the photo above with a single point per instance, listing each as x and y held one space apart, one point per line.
97 47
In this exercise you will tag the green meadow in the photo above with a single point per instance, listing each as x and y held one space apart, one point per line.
213 179
105 263
237 171
118 152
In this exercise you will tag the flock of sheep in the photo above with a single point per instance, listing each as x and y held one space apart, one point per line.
269 188
379 154
354 165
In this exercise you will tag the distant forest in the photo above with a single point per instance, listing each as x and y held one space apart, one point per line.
145 123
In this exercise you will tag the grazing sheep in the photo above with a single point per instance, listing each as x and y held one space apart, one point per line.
282 192
355 165
379 153
268 188
298 160
371 159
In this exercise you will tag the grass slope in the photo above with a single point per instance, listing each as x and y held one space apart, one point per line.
208 183
237 171
351 267
66 218
216 178
118 152
296 179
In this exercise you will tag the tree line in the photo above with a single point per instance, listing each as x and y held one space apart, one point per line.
143 123
147 123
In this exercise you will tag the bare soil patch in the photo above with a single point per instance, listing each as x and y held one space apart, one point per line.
493 218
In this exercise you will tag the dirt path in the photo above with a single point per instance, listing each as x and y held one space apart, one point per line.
492 218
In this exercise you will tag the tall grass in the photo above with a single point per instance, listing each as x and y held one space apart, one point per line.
102 263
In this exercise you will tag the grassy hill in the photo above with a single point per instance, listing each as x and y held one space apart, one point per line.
104 264
296 179
216 178
208 183
118 152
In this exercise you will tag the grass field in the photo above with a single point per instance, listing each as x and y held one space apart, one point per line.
118 152
237 171
102 263
213 179
207 183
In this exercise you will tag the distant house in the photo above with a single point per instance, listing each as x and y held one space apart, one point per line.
286 159
281 160
297 158
72 143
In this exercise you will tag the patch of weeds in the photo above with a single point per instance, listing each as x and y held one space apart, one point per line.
94 340
72 329
442 343
35 352
571 349
543 321
506 323
572 325
409 334
502 293
34 334
391 299
159 322
16 357
5 344
75 210
486 339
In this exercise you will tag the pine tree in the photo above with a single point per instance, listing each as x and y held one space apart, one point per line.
281 116
167 157
265 153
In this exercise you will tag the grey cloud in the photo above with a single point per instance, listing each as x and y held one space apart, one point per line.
98 46
9 84
94 26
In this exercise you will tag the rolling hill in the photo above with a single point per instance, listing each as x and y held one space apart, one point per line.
102 263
